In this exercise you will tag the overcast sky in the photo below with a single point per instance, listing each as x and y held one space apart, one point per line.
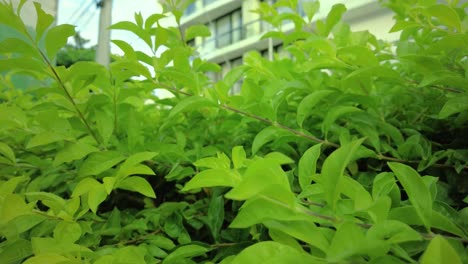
85 15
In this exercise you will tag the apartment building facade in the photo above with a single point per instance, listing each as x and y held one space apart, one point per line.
236 29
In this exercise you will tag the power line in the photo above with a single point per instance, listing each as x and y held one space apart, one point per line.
88 7
90 17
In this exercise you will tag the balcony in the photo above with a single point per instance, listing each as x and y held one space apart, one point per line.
203 11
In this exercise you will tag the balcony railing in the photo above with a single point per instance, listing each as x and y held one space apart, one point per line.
192 8
253 28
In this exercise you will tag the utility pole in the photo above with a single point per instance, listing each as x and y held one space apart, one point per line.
105 20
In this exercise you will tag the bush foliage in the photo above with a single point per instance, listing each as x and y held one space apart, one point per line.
351 150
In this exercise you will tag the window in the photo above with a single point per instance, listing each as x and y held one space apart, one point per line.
228 29
223 30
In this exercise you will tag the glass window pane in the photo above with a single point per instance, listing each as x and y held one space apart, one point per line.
223 31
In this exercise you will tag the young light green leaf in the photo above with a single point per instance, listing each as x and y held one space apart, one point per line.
46 138
283 238
84 186
333 17
418 193
212 178
13 206
440 251
190 104
7 152
341 246
96 196
44 21
181 253
307 165
335 113
154 18
73 151
132 27
266 135
454 105
394 232
51 258
136 159
57 37
260 175
15 251
311 8
446 15
262 208
100 162
67 232
333 169
137 184
197 31
305 108
273 253
126 48
238 156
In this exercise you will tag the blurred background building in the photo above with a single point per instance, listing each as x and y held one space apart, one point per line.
236 29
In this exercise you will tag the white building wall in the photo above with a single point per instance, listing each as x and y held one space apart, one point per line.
28 12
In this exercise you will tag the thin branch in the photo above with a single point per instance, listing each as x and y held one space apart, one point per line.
68 95
297 132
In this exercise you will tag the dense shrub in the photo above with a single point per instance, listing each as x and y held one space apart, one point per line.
351 151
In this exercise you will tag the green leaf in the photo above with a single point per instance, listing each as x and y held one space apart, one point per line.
454 105
273 253
51 200
418 193
96 196
266 135
99 162
446 15
46 138
49 258
67 232
311 8
305 231
125 68
57 37
73 151
333 170
44 21
126 48
197 31
260 175
408 215
190 104
308 165
183 252
283 238
238 157
136 159
84 186
137 184
333 17
305 108
13 206
215 218
342 246
440 251
394 232
259 209
7 152
212 178
154 18
15 251
358 194
132 27
335 113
